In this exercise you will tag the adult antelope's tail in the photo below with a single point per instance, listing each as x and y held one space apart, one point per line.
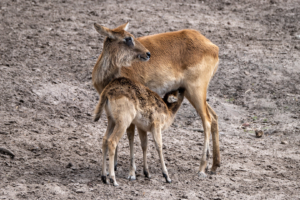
99 107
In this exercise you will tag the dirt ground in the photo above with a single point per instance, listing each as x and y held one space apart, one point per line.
48 50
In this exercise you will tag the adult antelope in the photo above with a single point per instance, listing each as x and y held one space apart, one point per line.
180 59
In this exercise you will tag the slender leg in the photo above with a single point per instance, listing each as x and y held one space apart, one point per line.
130 135
215 137
115 159
156 132
109 130
144 144
197 97
112 142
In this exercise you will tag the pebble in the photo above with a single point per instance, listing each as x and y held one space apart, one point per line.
69 165
284 142
80 190
22 181
259 133
198 130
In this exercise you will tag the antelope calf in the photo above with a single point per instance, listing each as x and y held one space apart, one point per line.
180 59
128 102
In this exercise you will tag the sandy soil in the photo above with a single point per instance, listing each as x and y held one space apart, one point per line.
48 49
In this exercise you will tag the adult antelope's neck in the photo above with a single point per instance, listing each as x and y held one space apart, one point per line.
104 71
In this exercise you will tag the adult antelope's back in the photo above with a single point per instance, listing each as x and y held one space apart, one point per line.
184 59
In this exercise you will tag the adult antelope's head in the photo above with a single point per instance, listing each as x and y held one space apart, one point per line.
121 46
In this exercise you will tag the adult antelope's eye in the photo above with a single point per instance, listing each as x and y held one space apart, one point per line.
128 41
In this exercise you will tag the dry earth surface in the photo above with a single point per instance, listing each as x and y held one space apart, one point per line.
47 52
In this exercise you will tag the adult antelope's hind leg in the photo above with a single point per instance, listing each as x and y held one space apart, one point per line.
197 97
215 137
109 130
156 132
144 143
130 135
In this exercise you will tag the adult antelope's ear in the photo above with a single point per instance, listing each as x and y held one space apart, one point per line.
104 31
122 27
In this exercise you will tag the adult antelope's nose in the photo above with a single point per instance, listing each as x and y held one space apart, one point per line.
148 54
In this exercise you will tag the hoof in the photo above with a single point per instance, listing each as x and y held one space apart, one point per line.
114 182
168 180
206 169
104 180
212 172
202 175
131 178
116 167
147 174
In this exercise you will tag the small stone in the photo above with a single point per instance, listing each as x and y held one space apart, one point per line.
198 130
80 190
259 133
284 142
23 181
245 125
246 72
184 196
69 165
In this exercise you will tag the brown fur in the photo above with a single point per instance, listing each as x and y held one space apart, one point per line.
115 54
184 59
128 102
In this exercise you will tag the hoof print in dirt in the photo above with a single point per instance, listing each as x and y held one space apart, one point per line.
259 133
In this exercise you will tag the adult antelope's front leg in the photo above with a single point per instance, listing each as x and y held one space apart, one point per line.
130 135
